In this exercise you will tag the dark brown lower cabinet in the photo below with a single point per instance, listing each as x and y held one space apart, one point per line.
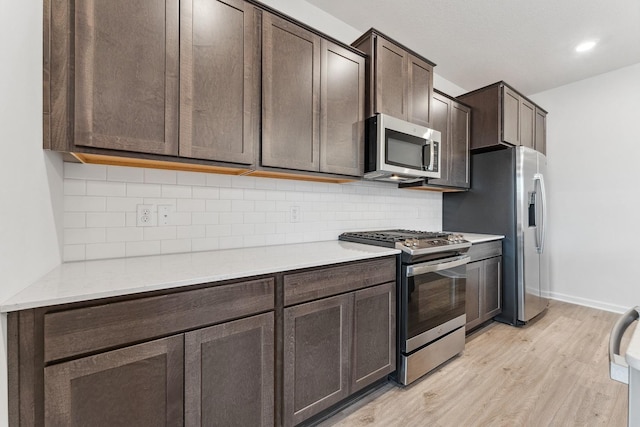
374 335
229 374
472 295
136 385
336 346
209 355
483 295
316 356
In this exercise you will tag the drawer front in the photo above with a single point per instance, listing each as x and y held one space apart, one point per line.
479 251
84 330
324 282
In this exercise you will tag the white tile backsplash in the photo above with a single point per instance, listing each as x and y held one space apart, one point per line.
211 211
106 188
124 174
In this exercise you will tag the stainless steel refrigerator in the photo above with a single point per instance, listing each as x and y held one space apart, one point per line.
508 197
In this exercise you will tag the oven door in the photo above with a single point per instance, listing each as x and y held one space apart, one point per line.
432 301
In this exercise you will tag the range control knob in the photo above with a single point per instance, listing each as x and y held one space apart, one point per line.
455 238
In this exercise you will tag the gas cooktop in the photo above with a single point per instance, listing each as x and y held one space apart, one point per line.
410 241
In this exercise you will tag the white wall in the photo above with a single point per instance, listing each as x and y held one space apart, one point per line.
593 155
316 18
448 87
30 179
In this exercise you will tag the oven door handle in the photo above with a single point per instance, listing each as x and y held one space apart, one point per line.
618 366
415 270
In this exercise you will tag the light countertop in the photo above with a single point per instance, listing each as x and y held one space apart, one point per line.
87 280
480 238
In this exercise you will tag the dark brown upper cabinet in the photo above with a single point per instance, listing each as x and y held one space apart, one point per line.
114 75
452 119
502 117
200 85
291 95
312 101
541 131
341 110
399 82
219 80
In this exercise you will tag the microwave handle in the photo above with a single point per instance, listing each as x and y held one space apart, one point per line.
428 165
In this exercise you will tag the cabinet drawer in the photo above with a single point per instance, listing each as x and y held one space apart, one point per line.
324 282
485 250
84 330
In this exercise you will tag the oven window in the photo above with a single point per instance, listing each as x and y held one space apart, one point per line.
434 299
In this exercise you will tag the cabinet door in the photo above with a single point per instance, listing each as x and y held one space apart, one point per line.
459 143
133 386
541 131
291 92
391 79
342 111
126 75
374 335
317 337
472 295
527 123
229 376
419 91
492 298
510 116
219 80
441 121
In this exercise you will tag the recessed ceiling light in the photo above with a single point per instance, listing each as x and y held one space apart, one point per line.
585 46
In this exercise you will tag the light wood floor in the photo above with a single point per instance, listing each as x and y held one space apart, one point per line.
552 372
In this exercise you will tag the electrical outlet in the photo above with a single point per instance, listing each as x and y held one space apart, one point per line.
144 216
295 214
164 214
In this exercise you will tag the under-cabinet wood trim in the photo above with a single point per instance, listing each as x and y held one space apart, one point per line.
301 177
101 159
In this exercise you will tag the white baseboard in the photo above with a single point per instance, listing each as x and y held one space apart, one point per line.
588 302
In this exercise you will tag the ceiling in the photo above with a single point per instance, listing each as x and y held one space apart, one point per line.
529 44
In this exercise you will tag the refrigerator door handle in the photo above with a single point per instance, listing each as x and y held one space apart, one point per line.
618 367
542 221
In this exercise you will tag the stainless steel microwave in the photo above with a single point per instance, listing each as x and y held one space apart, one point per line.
399 151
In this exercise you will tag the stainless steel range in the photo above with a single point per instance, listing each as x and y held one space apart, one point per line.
431 296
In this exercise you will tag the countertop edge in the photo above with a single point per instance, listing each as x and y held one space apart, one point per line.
475 238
